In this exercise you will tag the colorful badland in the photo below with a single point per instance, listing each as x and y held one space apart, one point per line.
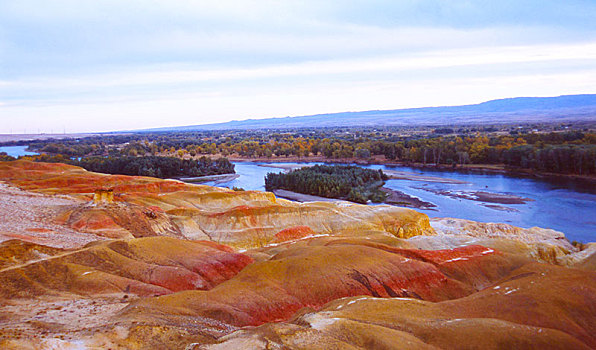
109 261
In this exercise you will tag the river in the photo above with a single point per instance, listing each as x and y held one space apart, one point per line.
16 151
561 204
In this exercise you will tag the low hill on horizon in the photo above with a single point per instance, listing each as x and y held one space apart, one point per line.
509 110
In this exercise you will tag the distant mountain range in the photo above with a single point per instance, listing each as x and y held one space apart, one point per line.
503 111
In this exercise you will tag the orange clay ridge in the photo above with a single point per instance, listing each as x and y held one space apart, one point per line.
100 261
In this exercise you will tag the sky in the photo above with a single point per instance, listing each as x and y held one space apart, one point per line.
105 65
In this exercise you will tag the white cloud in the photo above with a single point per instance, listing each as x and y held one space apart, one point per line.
102 64
427 60
161 78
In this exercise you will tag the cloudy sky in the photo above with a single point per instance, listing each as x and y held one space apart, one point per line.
126 64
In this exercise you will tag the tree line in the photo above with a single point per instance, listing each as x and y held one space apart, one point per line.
162 167
568 152
566 159
154 166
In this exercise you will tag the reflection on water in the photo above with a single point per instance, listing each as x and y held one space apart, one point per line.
16 151
564 205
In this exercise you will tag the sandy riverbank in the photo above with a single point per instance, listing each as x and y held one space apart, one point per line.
404 200
394 198
218 179
285 167
480 196
405 175
300 197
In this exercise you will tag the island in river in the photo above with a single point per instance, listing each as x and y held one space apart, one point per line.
347 182
297 190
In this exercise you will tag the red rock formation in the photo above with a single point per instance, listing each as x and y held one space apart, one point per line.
62 178
360 282
274 289
144 266
538 306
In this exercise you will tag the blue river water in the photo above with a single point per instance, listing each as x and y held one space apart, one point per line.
561 204
16 151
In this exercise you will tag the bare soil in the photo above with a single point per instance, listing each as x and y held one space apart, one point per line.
62 318
30 217
300 197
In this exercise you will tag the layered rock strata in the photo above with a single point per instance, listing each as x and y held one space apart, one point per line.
170 265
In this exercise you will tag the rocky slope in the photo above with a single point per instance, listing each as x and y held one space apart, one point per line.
144 266
148 207
174 266
535 307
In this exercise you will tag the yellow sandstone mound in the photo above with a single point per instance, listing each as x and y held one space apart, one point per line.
450 226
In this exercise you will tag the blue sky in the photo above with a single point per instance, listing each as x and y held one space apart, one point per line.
113 65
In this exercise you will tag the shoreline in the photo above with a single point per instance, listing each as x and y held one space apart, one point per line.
218 179
396 198
401 199
301 197
481 196
406 175
284 167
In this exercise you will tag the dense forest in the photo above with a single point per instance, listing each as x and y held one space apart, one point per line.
332 181
154 166
162 167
